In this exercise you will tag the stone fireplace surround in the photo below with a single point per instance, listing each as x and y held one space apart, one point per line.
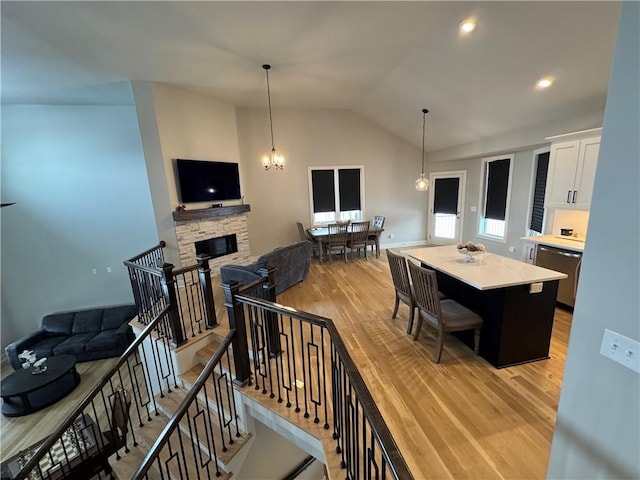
202 224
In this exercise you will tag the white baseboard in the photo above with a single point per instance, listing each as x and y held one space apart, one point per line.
416 243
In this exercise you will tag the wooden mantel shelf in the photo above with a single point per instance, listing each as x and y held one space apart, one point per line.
213 212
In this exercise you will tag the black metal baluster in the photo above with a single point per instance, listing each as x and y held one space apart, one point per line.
304 372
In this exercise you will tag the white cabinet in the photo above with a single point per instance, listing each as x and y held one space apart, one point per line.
529 252
572 170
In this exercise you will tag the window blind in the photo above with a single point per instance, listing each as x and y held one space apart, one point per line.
324 196
445 195
537 211
497 189
349 188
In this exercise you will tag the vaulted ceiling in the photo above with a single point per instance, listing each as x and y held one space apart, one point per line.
383 60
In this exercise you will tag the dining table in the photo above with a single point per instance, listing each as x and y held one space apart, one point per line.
320 235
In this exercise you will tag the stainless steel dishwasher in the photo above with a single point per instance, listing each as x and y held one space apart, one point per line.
565 261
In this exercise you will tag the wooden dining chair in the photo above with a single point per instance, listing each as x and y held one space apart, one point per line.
402 285
304 235
443 315
377 223
358 238
337 239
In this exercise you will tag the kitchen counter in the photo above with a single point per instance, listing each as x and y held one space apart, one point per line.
517 316
486 272
568 243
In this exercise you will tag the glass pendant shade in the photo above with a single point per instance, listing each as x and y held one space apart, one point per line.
422 184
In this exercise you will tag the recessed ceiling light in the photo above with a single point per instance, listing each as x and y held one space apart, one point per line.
468 25
544 83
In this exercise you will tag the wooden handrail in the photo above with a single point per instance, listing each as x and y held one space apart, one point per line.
153 271
182 409
69 419
160 245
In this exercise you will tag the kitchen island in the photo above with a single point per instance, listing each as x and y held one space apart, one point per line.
516 301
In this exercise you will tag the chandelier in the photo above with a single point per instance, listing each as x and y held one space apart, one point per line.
422 184
273 158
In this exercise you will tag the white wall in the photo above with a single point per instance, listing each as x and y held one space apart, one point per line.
597 431
82 199
174 124
326 137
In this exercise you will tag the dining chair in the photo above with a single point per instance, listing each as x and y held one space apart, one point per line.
337 239
377 223
358 238
402 285
443 315
304 235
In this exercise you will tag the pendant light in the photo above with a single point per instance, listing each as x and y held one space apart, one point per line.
422 184
271 159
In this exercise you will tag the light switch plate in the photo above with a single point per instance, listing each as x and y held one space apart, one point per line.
621 349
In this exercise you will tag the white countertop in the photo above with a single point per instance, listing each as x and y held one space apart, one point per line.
568 243
488 271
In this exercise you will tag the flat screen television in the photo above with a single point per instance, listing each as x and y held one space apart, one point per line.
202 181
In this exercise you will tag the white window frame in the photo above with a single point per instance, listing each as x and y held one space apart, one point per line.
483 198
337 214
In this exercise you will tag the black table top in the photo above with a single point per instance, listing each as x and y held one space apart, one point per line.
23 381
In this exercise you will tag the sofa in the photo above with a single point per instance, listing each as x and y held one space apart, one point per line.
291 263
87 334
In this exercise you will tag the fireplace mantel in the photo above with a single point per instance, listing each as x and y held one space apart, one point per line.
213 212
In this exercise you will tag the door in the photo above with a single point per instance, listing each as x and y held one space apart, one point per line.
446 206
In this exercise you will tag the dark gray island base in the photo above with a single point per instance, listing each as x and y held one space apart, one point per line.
517 324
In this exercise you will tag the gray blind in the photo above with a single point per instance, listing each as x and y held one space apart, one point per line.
349 188
497 188
537 211
445 195
324 198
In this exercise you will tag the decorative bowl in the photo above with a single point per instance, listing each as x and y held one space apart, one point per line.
469 254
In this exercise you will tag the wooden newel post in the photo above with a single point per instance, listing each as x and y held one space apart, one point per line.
207 290
169 289
271 318
240 343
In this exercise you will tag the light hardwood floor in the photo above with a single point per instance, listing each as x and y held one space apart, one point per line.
459 419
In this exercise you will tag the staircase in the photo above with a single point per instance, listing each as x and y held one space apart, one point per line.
230 455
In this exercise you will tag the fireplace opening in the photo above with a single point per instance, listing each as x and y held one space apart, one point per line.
218 247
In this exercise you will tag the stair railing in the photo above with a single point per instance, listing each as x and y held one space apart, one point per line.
209 418
300 359
187 291
102 423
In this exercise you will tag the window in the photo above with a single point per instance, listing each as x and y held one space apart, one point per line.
336 194
445 206
495 197
539 187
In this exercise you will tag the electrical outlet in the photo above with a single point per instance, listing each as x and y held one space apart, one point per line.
535 287
109 270
94 271
621 349
512 249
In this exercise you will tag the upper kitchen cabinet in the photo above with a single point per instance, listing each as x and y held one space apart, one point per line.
572 169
